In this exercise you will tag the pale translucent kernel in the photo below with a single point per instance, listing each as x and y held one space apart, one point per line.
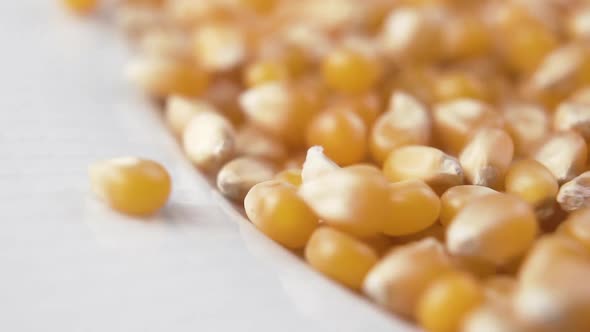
487 156
252 142
316 163
179 111
131 185
575 194
564 154
456 198
238 176
573 116
492 317
398 281
406 122
209 140
219 46
496 228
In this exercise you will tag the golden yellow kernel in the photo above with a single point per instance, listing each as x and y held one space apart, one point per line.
456 198
447 301
82 7
354 201
367 106
341 133
180 110
400 278
252 142
406 122
340 256
414 207
290 175
527 124
452 86
131 185
455 121
209 140
496 228
486 157
564 154
238 176
260 6
534 183
435 231
276 210
577 225
575 194
439 170
349 71
465 37
264 72
525 46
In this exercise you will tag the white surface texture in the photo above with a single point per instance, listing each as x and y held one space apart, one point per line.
69 264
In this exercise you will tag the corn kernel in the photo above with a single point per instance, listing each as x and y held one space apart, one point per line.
575 194
577 225
260 6
452 86
367 106
276 210
219 46
407 122
564 154
573 116
500 288
264 72
316 163
380 243
131 185
414 207
82 7
456 198
491 317
398 281
179 111
238 176
353 201
456 120
252 142
439 170
497 228
435 231
486 157
340 256
527 124
164 43
291 176
341 133
534 183
349 71
447 301
525 45
465 37
208 140
474 266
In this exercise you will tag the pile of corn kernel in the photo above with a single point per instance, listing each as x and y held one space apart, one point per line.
429 154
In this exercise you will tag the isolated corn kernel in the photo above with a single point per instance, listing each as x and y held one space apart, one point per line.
160 77
456 198
527 124
342 134
486 157
496 228
414 207
564 154
349 71
439 170
573 116
575 194
534 183
316 163
252 142
277 211
400 278
209 140
179 111
455 121
352 201
238 176
447 301
340 256
406 122
131 185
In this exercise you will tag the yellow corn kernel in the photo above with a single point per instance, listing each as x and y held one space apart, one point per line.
456 120
487 156
573 116
414 207
277 211
161 77
260 6
575 194
281 110
465 37
439 170
238 176
500 288
316 163
208 140
179 111
348 199
447 301
219 46
82 7
435 231
452 86
350 71
564 154
496 228
341 133
527 124
406 122
252 142
534 183
340 256
577 225
525 45
456 198
552 293
290 175
491 317
131 185
474 266
398 281
264 72
367 106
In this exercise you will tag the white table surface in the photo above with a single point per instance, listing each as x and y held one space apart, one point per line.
69 264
